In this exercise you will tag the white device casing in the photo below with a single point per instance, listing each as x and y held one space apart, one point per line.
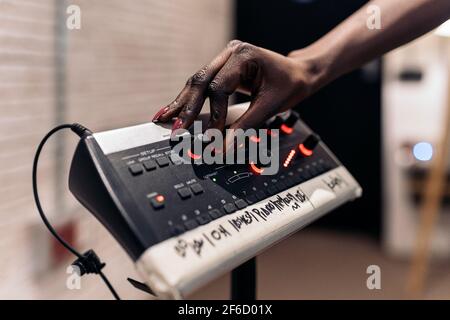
176 267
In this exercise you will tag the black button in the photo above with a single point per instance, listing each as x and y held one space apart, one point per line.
191 224
157 202
306 175
272 190
136 169
162 162
279 189
282 185
260 195
240 204
229 208
298 178
203 219
197 189
290 182
176 230
321 168
184 193
215 213
251 199
149 165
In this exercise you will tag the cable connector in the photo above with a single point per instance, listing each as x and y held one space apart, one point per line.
80 130
89 263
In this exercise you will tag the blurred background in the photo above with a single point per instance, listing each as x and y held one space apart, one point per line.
130 58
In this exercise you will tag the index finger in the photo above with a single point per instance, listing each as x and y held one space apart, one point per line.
194 92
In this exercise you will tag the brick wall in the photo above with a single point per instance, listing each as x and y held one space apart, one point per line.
128 60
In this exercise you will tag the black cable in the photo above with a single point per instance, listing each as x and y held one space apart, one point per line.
109 285
35 190
89 261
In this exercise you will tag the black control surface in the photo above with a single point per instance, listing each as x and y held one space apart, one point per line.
143 197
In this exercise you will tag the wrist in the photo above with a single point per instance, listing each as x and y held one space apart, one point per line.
312 67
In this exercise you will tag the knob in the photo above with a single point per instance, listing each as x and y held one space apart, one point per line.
308 146
288 126
292 119
258 167
276 123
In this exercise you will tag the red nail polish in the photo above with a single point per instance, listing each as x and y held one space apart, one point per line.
160 113
178 123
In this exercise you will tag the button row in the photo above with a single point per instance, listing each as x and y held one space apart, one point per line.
148 165
186 192
208 217
286 183
260 195
158 201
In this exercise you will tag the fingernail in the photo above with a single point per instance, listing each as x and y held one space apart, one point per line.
178 123
159 114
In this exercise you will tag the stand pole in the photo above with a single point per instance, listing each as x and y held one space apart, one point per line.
243 281
429 210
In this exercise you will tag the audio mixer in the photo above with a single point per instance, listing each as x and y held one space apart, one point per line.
184 224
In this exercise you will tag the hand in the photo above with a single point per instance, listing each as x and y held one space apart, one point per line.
275 83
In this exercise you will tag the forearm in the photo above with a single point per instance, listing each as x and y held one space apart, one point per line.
277 83
353 43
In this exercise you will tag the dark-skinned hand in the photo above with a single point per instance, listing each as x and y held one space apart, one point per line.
274 82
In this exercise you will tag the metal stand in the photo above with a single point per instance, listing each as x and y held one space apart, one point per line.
243 281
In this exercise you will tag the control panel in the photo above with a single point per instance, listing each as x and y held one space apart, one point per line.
185 223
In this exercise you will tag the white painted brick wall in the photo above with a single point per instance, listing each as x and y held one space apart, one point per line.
129 59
